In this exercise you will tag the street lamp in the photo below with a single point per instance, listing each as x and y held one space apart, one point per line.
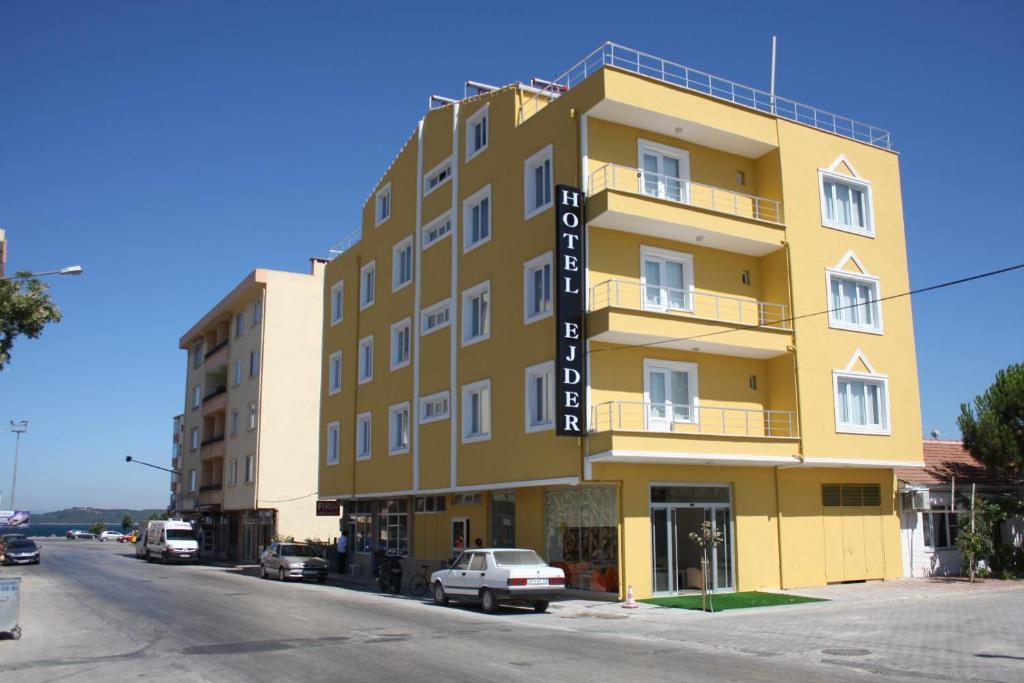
129 458
67 270
18 428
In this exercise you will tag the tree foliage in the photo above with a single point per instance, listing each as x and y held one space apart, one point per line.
25 309
993 430
126 522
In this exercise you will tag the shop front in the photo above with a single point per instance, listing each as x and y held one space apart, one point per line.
677 511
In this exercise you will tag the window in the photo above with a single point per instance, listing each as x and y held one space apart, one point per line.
393 526
434 407
537 185
192 481
197 354
941 526
364 435
670 392
476 132
362 519
194 438
853 302
252 415
398 429
401 264
666 278
400 332
233 472
476 411
337 302
250 469
334 373
467 499
238 372
503 521
382 205
197 396
540 397
862 403
254 363
240 324
476 219
428 504
257 312
664 171
333 443
437 176
851 495
845 203
437 229
234 423
435 317
365 359
367 283
537 288
476 313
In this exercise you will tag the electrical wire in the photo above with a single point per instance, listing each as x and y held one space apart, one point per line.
289 500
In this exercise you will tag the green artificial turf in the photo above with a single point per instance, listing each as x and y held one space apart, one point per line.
726 601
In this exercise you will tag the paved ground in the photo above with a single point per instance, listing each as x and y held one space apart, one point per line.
91 612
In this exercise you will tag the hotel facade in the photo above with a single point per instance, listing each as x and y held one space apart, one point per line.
737 367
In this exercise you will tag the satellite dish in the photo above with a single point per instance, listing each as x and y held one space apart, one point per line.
935 434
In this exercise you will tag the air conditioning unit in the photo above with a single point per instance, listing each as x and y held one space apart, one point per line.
915 500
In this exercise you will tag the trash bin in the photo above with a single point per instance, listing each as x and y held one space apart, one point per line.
10 600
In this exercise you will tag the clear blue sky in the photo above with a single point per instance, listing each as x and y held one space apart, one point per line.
170 147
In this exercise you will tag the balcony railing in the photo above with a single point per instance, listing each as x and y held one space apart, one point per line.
346 243
206 488
637 416
212 440
215 393
698 195
215 349
643 64
684 302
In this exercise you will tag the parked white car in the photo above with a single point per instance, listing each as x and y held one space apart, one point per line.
110 535
492 576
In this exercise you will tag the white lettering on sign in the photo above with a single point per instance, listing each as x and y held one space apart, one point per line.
569 260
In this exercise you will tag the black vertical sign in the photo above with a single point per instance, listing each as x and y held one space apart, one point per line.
569 385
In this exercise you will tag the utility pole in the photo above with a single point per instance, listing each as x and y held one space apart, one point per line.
18 428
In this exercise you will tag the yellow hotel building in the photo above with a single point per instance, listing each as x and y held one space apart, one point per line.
739 368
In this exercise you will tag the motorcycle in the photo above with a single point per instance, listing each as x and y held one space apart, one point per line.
389 573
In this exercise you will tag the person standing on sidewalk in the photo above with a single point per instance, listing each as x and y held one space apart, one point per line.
342 551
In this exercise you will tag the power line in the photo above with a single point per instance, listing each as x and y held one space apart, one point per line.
289 500
930 288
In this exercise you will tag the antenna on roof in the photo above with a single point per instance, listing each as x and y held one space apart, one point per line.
935 434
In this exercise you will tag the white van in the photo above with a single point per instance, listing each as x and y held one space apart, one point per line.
168 540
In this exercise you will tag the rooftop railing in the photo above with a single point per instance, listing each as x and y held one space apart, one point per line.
643 64
698 420
346 243
639 296
683 191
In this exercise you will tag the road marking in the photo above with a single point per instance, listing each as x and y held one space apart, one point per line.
300 617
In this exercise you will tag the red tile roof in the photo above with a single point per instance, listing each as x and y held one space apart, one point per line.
944 460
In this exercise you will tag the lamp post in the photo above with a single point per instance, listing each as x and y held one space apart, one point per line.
129 458
67 270
18 428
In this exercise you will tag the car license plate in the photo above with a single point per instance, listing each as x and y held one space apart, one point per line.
536 582
185 555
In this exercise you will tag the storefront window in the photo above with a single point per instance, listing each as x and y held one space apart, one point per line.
503 520
393 525
581 527
361 520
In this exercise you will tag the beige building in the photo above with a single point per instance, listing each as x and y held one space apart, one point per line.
248 462
177 444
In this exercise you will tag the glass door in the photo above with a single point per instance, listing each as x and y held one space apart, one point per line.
676 560
668 398
665 285
661 176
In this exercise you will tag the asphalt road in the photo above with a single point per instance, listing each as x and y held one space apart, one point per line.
92 612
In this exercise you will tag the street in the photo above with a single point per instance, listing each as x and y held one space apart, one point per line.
92 612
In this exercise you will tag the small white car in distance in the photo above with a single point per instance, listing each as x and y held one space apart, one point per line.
492 576
110 535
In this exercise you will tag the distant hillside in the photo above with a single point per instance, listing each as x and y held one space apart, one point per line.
89 515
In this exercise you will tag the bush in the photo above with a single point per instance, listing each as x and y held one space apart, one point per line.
1008 562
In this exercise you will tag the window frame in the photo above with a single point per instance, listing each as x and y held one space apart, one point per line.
362 376
237 373
337 302
682 156
233 422
531 373
471 121
530 165
873 282
193 480
233 472
254 363
445 217
197 354
441 395
379 217
250 468
404 244
257 312
370 267
253 419
482 386
364 451
395 328
882 380
534 264
667 256
431 310
197 396
437 170
467 295
239 324
857 183
334 382
467 216
692 387
394 411
332 455
194 441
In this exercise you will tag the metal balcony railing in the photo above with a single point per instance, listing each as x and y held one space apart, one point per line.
212 440
215 349
346 243
206 488
215 393
699 195
638 296
705 420
643 64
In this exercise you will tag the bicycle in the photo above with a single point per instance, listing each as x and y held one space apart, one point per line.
419 583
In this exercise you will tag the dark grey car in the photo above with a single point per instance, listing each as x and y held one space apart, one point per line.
21 551
292 561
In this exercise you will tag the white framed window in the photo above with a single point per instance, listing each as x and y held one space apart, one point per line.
477 132
197 354
476 313
853 301
366 359
194 438
398 429
400 340
334 373
476 219
252 415
846 203
434 407
237 372
435 317
670 394
254 362
233 472
337 302
197 396
234 423
540 397
476 411
239 324
193 480
664 171
401 264
537 302
250 469
333 443
437 229
364 435
666 278
941 526
257 312
367 284
538 187
862 402
437 176
382 205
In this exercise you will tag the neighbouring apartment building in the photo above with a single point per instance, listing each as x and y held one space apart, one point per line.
248 462
736 366
177 442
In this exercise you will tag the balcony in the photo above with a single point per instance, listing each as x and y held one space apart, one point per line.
629 312
215 401
211 494
217 356
214 447
632 200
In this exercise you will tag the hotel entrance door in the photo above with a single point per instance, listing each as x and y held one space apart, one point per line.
676 511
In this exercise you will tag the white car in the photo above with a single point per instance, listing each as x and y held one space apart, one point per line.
110 535
492 576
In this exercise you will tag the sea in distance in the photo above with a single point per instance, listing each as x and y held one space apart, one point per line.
51 528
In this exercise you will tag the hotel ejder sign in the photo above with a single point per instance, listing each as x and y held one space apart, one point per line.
569 367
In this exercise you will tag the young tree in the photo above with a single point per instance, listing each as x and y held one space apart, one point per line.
97 528
25 309
993 430
706 538
126 522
